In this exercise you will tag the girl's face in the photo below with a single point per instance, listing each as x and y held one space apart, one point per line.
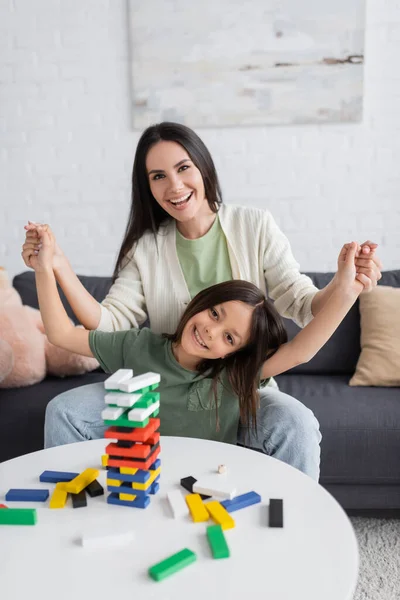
175 182
218 331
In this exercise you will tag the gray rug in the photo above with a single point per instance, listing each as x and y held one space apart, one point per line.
379 547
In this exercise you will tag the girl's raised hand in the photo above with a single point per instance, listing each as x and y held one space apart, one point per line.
31 247
42 259
347 276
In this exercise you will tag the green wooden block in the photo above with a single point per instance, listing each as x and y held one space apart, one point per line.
18 516
217 541
147 400
123 421
156 413
172 564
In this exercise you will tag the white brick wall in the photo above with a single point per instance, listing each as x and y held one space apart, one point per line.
67 145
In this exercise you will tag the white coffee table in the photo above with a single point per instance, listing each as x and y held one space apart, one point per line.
314 557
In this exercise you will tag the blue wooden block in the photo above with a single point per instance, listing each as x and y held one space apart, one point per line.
136 503
155 465
56 476
155 486
17 495
140 476
240 502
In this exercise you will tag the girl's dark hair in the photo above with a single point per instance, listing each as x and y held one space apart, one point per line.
243 367
145 213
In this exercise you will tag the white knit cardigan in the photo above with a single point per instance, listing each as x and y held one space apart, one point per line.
152 284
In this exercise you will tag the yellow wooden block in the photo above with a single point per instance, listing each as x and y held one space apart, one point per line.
219 515
81 481
58 498
197 508
128 470
115 482
126 497
144 486
104 460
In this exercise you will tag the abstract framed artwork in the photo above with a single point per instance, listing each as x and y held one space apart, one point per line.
222 63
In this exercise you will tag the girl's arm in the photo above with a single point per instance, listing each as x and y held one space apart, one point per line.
85 307
59 329
310 340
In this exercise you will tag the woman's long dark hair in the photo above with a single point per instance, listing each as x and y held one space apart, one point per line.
145 213
243 367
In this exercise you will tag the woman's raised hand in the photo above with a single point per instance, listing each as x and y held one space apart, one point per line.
32 246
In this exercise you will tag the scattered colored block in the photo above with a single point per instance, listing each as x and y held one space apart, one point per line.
56 476
172 564
112 382
215 486
94 489
107 540
219 515
275 512
177 504
217 541
197 508
79 483
58 498
79 500
188 482
242 501
3 506
140 381
20 495
141 502
18 516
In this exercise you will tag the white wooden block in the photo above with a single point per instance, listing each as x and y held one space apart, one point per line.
112 413
122 399
106 539
139 382
217 486
117 378
177 503
140 414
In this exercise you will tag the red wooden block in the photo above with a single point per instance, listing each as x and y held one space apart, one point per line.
135 464
3 506
136 435
153 439
136 451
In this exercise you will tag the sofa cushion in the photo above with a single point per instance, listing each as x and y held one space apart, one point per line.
360 427
379 362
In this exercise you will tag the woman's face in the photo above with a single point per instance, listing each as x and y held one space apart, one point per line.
175 182
218 331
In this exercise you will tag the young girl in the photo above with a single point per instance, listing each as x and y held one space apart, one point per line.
229 338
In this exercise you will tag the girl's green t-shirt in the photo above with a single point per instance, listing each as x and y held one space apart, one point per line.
187 403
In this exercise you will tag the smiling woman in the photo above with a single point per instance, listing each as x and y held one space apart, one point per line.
180 239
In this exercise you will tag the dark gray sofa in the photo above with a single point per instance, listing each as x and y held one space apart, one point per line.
360 450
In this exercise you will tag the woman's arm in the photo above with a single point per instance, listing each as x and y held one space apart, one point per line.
310 340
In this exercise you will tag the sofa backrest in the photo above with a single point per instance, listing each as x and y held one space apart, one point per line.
338 356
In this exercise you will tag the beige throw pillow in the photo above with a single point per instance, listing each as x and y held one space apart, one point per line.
379 361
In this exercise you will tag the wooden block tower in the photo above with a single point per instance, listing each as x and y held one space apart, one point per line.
132 460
